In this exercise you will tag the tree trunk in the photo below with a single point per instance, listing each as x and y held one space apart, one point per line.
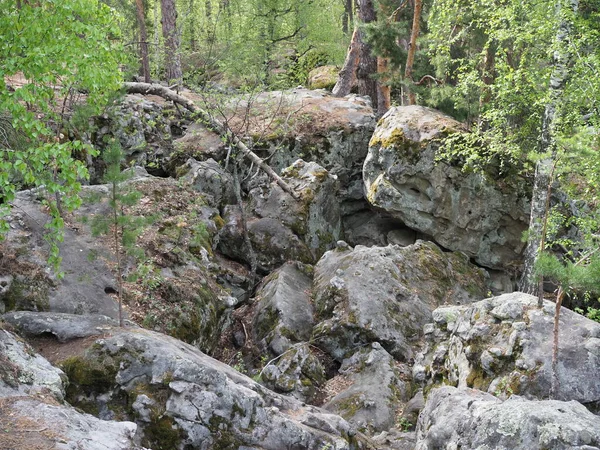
544 168
347 76
348 17
367 64
169 28
383 89
412 49
141 19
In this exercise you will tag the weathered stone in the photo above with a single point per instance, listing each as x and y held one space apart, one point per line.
200 402
143 129
462 211
284 313
38 423
86 281
470 419
386 294
503 345
297 372
211 180
376 393
323 77
286 228
23 372
64 327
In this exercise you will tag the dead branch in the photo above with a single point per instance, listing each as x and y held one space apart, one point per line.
218 127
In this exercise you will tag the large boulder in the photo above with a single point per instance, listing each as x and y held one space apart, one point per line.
181 398
323 77
503 345
283 228
376 390
284 312
86 281
469 419
386 294
209 178
462 211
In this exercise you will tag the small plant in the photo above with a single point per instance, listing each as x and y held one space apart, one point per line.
404 424
120 226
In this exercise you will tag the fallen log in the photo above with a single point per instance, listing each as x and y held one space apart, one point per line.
213 123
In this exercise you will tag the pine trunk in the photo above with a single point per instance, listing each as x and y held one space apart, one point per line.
348 17
347 76
141 19
412 49
169 28
545 166
367 64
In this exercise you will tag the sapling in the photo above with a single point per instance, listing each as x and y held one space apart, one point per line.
122 228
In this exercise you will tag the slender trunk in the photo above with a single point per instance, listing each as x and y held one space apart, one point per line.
169 28
192 26
210 38
383 89
156 39
141 19
347 76
348 17
555 382
543 171
367 64
412 49
117 251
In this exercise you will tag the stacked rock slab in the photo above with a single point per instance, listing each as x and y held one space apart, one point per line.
462 211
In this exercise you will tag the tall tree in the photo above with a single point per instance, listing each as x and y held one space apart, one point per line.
544 169
141 20
367 61
412 49
173 71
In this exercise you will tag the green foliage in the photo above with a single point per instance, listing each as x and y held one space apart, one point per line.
50 49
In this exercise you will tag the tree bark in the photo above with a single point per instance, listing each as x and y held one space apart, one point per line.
348 18
141 19
367 63
347 76
412 49
220 128
169 28
383 89
544 167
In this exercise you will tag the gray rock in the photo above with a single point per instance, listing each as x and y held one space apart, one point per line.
470 419
284 312
461 211
142 128
64 327
211 180
282 228
23 372
376 393
298 372
86 281
395 440
503 345
200 402
35 423
386 295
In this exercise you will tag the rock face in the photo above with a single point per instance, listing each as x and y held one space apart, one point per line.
185 399
32 413
143 129
284 313
503 345
207 177
469 419
284 228
376 391
461 211
86 281
386 294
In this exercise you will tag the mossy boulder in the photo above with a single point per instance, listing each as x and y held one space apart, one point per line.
323 77
462 210
503 345
386 294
